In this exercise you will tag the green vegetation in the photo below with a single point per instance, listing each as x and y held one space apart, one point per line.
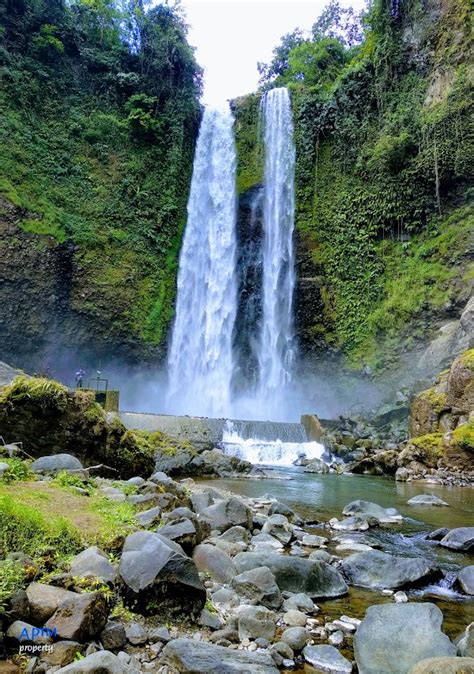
11 579
248 143
99 117
384 152
463 436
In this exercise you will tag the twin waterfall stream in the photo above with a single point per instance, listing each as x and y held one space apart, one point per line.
208 375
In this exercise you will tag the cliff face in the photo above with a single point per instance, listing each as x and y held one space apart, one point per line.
97 139
384 215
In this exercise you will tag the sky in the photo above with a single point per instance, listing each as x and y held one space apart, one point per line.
231 36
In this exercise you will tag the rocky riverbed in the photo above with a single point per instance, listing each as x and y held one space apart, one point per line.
203 580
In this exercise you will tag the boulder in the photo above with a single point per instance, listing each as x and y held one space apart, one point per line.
136 634
227 513
80 617
43 601
56 463
278 508
465 642
427 500
296 638
461 539
367 509
200 501
101 662
215 562
392 638
466 579
294 618
113 636
327 659
157 575
259 587
62 653
316 466
293 574
199 657
300 602
279 527
355 523
378 570
26 633
149 517
444 666
183 531
93 562
313 541
256 622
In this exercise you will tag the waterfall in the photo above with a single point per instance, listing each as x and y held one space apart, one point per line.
200 362
276 348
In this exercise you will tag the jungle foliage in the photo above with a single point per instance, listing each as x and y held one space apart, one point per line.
100 110
385 149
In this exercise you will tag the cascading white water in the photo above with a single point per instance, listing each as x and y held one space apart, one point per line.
200 362
276 349
268 452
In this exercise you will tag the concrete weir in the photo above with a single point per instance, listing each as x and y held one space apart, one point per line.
207 432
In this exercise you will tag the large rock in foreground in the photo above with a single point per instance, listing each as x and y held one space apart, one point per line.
371 510
187 655
314 578
102 662
158 576
392 638
378 570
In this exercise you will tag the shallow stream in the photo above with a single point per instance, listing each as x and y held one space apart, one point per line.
318 497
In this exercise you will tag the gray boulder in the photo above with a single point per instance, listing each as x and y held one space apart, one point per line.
199 657
200 501
149 517
101 662
444 666
259 587
183 531
62 653
279 527
43 600
26 633
465 642
113 636
393 637
215 562
316 466
3 468
293 574
80 617
136 634
327 659
93 562
368 509
378 570
300 602
56 463
157 575
227 513
466 579
256 622
461 539
427 500
296 638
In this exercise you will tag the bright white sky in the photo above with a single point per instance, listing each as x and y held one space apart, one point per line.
230 36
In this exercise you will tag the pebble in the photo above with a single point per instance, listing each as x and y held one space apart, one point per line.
336 638
400 597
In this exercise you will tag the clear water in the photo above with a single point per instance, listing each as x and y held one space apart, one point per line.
200 362
320 497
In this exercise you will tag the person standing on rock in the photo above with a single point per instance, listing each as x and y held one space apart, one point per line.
80 374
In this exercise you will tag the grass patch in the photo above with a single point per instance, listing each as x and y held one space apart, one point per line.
29 519
11 579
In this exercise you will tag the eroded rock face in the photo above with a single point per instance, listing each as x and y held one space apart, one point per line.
392 638
158 576
378 570
187 655
258 586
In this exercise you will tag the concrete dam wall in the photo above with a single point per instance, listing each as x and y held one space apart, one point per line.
207 432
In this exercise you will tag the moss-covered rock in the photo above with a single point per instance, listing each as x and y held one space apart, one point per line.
48 418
